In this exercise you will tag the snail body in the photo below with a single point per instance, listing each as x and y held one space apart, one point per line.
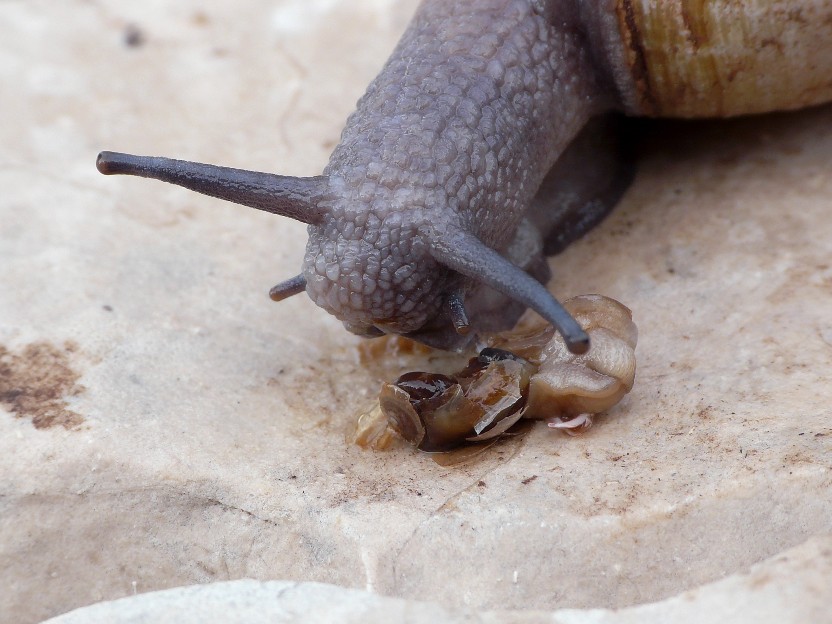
484 144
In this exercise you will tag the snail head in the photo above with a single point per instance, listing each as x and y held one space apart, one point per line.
391 272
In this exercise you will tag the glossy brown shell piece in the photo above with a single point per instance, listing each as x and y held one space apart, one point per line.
720 58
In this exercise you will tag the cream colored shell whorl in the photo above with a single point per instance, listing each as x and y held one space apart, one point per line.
720 58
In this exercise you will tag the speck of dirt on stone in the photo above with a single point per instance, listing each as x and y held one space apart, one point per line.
35 381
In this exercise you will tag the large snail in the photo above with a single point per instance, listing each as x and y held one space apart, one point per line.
484 144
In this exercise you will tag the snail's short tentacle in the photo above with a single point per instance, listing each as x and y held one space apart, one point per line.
467 255
459 318
287 288
283 195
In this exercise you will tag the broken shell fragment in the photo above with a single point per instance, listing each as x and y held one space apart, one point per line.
438 412
499 429
527 342
499 388
395 405
372 430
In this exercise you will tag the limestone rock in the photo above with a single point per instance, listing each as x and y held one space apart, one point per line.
196 429
758 596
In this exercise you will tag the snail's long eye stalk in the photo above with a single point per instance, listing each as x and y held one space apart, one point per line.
469 256
288 196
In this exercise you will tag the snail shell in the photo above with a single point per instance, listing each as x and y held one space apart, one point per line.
723 57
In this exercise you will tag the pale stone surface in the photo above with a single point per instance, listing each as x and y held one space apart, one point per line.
760 596
212 442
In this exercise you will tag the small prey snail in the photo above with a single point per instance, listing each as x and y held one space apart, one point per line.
525 373
485 144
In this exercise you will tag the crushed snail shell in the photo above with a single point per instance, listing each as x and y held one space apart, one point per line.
372 430
525 373
439 412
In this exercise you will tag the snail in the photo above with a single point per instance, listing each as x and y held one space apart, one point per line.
487 142
525 373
